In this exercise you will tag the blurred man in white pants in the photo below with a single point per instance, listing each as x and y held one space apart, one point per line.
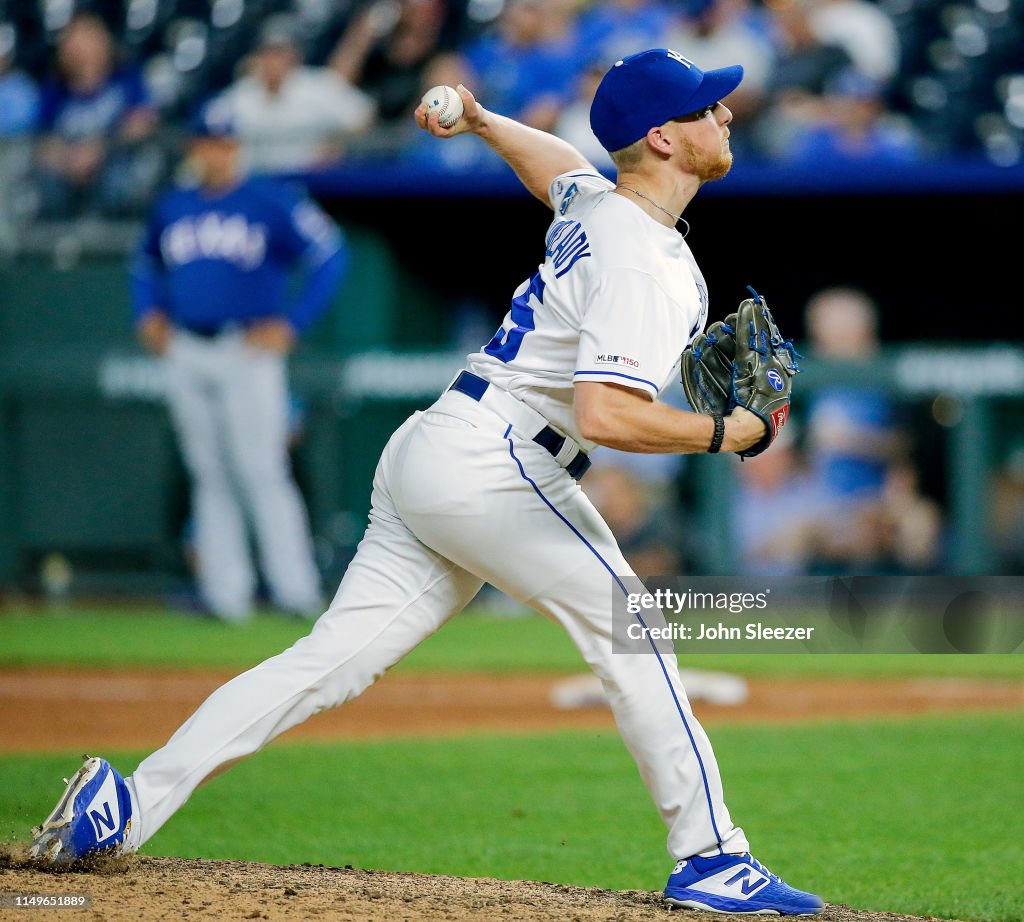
209 284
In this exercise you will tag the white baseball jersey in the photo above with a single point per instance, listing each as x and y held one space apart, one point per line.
618 298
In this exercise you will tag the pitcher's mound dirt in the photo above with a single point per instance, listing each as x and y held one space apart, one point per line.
135 889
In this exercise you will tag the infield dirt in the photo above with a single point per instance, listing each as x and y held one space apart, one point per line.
173 888
142 708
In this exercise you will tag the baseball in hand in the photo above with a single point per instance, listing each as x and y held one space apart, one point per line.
446 102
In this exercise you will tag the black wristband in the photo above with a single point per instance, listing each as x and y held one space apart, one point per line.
716 439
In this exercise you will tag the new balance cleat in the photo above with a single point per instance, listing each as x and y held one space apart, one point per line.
92 817
736 884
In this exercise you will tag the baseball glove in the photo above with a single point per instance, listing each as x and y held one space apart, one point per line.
743 361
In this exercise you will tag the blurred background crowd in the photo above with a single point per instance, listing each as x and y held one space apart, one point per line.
93 94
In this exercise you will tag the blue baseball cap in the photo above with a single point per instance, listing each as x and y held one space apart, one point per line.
214 120
651 88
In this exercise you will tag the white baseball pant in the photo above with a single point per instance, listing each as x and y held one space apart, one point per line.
461 495
229 404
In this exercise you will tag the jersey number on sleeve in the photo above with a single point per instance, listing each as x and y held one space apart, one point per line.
506 342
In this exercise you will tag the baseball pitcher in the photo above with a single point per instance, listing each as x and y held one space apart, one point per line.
482 486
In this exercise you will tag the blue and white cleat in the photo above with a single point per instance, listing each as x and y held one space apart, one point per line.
737 884
93 816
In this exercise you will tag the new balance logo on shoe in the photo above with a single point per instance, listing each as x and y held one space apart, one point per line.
750 881
736 883
103 819
103 811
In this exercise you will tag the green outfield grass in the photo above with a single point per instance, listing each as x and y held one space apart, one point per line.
133 637
917 816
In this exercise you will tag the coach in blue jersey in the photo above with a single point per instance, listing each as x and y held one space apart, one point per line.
210 291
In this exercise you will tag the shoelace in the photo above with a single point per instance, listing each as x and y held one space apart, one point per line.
757 864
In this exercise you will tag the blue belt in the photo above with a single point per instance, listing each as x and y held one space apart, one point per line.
219 329
550 439
204 332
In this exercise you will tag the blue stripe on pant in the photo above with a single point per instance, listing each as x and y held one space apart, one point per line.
618 582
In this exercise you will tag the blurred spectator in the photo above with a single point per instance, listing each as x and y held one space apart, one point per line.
864 31
1008 512
806 63
292 118
613 29
909 525
646 535
211 298
527 68
897 532
19 97
775 511
93 116
852 436
19 107
854 507
871 515
385 52
803 69
855 126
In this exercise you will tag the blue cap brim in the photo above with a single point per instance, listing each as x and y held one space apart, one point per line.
716 85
